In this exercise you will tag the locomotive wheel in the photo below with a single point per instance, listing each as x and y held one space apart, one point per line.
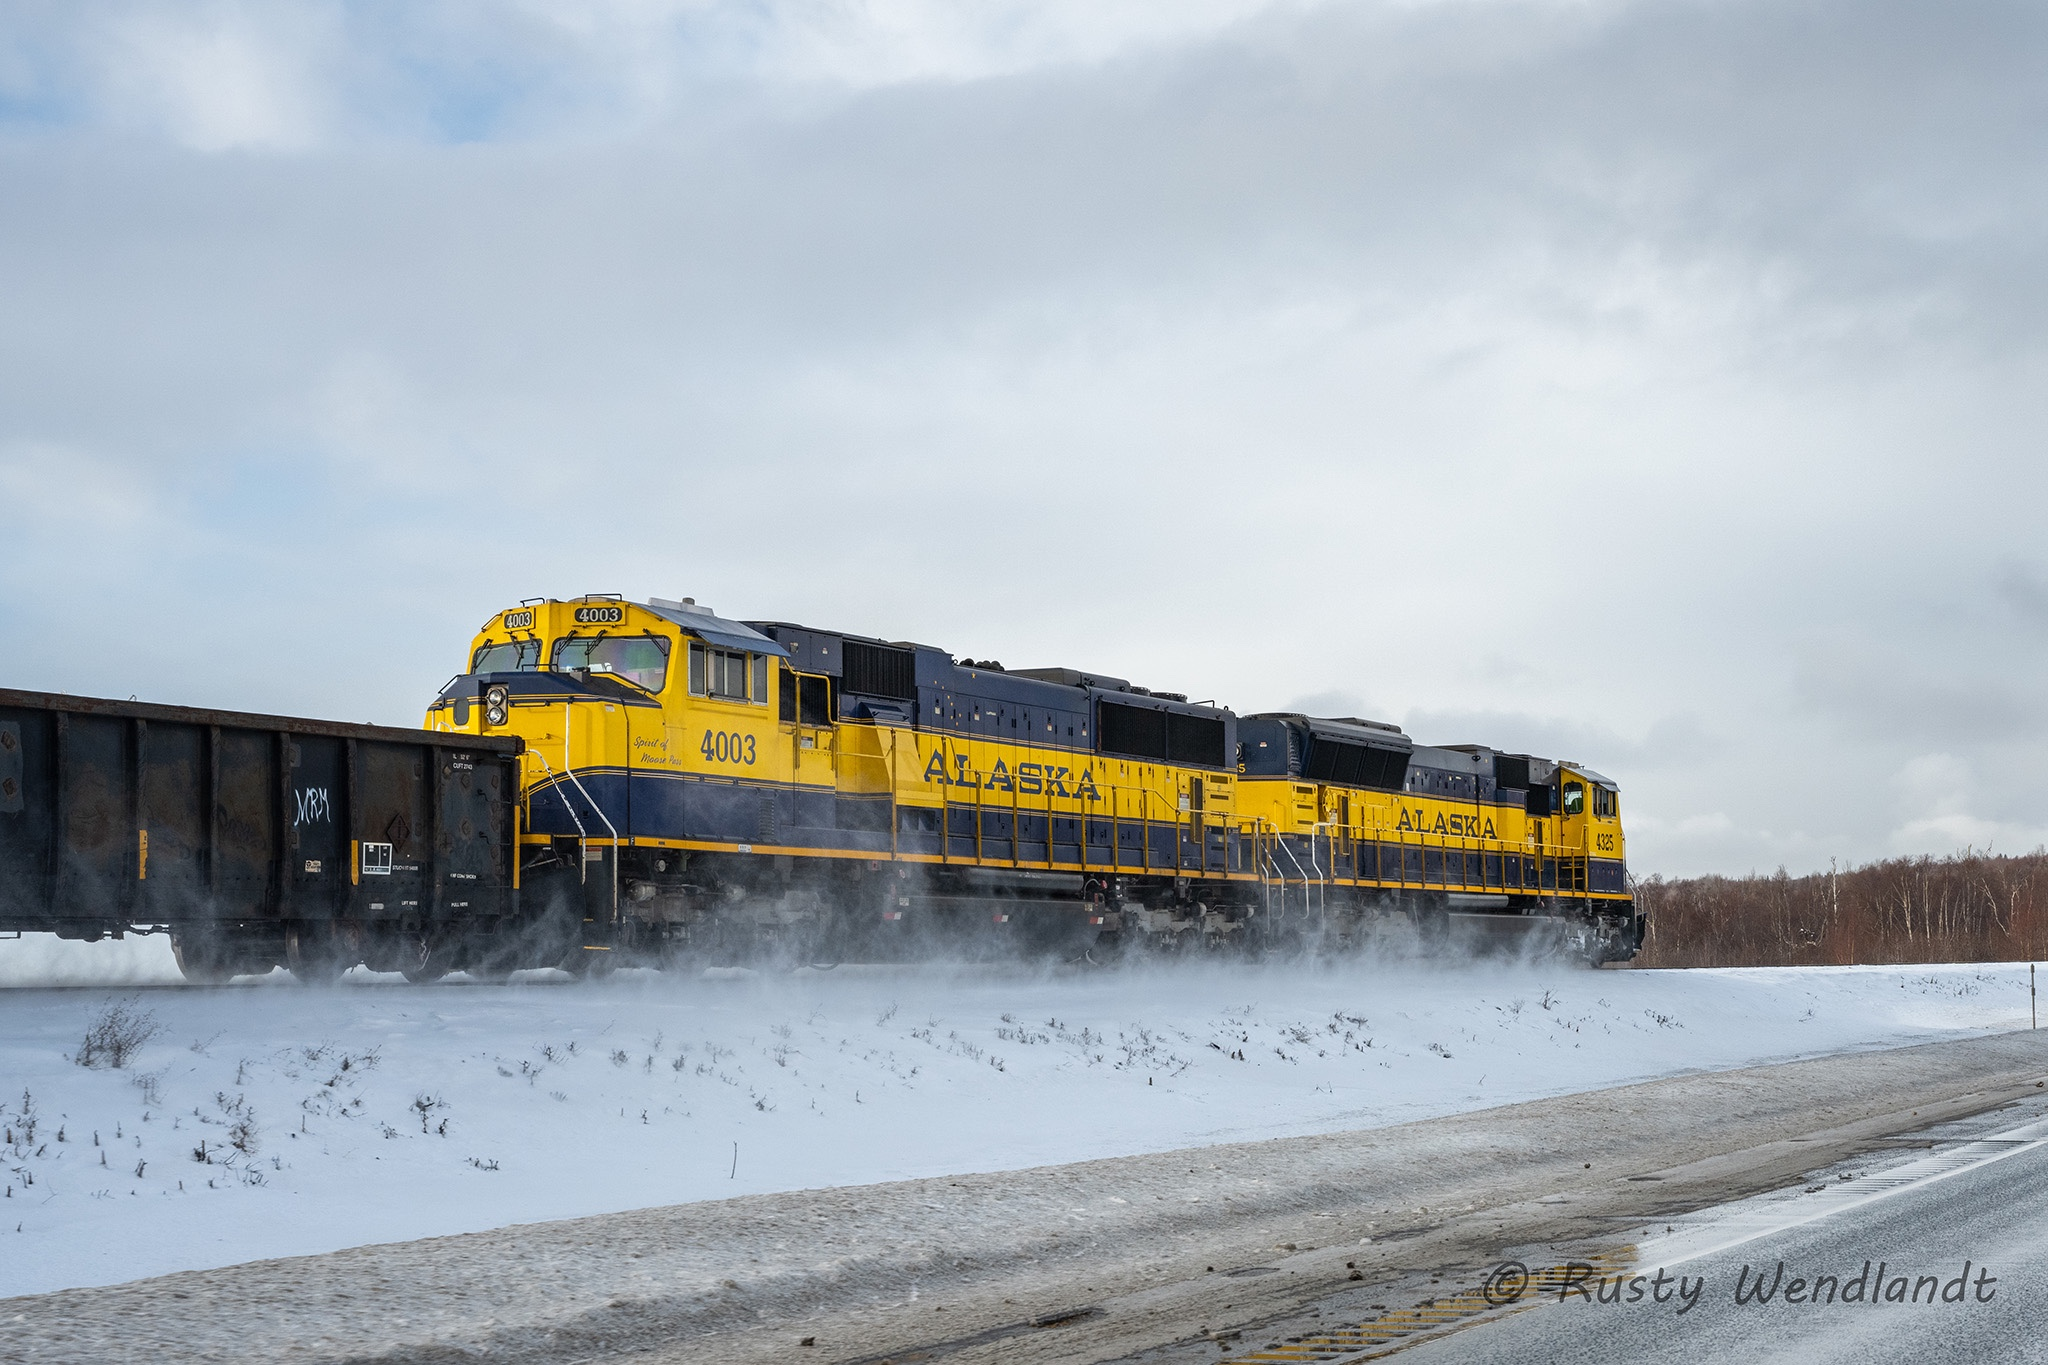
489 962
592 964
1433 925
492 963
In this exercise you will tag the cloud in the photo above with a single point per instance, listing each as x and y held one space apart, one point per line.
218 78
1669 740
2021 587
1936 794
1895 690
1656 386
220 75
1335 703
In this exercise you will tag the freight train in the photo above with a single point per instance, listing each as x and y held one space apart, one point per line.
611 782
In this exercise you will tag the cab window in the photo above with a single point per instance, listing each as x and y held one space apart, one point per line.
513 656
726 674
640 659
1605 804
1574 798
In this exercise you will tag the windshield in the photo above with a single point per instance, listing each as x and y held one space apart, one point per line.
514 656
640 659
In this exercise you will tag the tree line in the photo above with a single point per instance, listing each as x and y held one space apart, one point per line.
1971 907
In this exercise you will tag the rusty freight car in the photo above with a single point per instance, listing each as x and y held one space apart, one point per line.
258 841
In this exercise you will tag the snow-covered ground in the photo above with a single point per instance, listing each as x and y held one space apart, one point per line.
266 1119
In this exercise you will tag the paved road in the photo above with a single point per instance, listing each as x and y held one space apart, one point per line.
1972 1245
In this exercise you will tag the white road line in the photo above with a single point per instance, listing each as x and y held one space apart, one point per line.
1766 1215
1703 1234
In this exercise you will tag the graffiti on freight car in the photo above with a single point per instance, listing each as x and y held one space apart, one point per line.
313 807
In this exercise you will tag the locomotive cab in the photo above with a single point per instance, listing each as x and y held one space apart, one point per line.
641 721
1589 814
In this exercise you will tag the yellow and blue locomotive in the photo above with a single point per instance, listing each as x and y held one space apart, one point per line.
693 784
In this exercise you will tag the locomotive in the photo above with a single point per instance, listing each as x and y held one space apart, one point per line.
694 787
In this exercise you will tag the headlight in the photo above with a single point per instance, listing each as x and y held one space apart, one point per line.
494 704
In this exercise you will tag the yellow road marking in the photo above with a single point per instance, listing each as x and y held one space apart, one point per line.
1463 1305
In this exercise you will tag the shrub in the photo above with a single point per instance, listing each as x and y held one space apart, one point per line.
117 1034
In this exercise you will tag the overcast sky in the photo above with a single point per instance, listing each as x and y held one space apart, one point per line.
1658 386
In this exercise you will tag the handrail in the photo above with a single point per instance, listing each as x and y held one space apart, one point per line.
1281 844
1145 829
1306 905
1318 827
581 833
1529 853
569 771
895 818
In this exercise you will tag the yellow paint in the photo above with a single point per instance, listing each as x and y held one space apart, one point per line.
1287 805
929 770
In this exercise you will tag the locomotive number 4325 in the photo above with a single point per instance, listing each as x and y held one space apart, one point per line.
721 746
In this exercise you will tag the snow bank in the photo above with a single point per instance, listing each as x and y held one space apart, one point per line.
271 1120
46 960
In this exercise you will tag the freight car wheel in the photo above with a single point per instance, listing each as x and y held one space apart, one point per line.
492 966
202 959
315 957
421 962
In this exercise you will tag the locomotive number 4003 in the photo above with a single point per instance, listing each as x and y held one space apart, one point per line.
722 746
